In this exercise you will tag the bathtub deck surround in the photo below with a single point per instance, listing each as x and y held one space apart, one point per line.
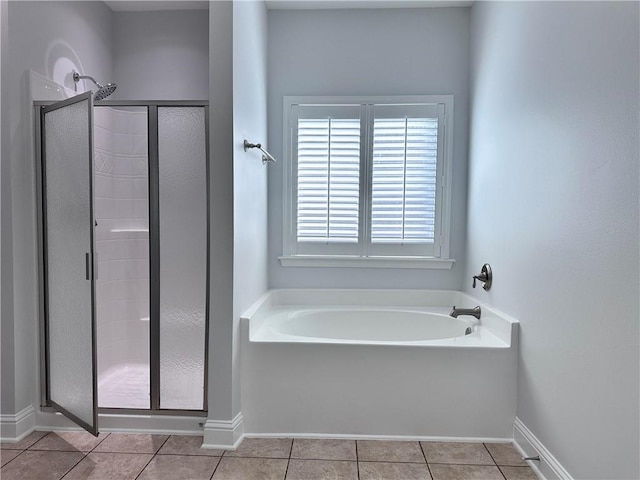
57 455
365 363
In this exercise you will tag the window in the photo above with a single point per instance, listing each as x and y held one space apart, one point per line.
367 181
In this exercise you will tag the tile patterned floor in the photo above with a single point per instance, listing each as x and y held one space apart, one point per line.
75 455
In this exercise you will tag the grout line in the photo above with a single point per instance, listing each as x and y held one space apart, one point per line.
41 438
489 452
216 469
502 473
114 453
425 459
85 452
187 455
465 464
21 452
357 461
390 461
261 458
295 459
165 441
145 467
153 456
309 459
84 455
100 442
286 470
494 460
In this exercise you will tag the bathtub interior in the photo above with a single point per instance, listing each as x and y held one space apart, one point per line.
277 316
380 324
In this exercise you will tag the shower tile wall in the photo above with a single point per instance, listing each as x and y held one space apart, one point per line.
122 243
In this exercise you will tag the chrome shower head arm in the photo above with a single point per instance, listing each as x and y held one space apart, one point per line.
103 90
77 77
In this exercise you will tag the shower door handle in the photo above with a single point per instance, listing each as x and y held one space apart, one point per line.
91 265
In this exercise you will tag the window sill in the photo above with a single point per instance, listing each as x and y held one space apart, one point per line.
367 262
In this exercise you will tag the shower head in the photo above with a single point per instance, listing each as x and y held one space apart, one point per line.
103 90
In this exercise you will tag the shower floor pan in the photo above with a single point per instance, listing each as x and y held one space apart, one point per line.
124 386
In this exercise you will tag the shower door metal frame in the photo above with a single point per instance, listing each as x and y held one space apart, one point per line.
40 110
154 259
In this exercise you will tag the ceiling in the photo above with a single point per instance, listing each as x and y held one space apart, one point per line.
155 5
333 4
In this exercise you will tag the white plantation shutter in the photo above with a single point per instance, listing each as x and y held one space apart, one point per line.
405 158
328 180
367 179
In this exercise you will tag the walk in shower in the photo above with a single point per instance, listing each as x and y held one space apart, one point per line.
124 243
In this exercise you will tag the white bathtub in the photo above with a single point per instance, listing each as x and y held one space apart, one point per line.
377 363
375 317
362 325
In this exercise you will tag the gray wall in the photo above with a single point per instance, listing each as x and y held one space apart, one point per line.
221 324
7 373
239 197
553 206
161 55
249 175
48 38
368 52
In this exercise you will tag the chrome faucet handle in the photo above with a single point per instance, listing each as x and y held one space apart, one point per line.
482 277
485 277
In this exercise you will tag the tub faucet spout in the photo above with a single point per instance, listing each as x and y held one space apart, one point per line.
474 312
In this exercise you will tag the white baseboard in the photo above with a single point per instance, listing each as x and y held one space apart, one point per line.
224 434
381 437
14 428
548 468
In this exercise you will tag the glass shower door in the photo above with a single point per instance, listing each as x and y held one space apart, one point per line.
69 273
183 257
